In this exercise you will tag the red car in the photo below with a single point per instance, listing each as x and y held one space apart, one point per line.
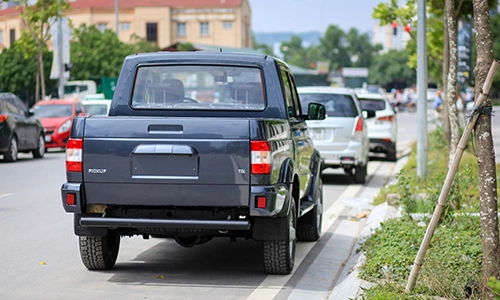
57 117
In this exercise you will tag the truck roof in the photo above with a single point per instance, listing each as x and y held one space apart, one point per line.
199 56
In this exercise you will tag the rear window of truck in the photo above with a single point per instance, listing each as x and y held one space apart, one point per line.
198 87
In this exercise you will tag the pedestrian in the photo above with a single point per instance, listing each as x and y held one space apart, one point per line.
438 102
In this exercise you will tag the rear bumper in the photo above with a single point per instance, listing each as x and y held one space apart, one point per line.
163 223
354 155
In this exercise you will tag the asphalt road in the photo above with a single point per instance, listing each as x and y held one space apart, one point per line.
40 256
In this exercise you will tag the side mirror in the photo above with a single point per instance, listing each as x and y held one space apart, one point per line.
368 114
316 111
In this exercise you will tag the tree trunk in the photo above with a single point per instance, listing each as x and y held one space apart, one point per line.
451 87
37 85
40 63
444 94
485 152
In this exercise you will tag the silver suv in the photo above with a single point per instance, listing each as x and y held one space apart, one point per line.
342 138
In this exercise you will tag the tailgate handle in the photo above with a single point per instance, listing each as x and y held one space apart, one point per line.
164 149
165 128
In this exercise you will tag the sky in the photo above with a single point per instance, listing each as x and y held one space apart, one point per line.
312 15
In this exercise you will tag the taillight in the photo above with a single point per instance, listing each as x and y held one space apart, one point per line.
74 155
260 157
3 118
387 118
359 124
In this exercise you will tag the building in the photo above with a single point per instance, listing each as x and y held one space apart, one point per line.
164 22
389 37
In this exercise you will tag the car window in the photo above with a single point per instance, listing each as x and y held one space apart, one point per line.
20 106
96 109
372 104
199 87
12 107
53 111
337 105
290 103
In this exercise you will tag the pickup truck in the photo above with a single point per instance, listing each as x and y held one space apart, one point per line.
195 146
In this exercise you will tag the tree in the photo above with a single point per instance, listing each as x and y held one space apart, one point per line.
18 73
295 54
391 70
265 48
37 22
334 48
488 199
361 50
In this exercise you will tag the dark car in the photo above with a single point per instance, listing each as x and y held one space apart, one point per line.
20 131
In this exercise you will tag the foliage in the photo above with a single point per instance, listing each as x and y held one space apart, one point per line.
452 262
295 54
96 53
361 50
141 45
18 73
265 48
494 284
391 69
334 48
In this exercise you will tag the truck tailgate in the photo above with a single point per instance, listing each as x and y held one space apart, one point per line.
166 161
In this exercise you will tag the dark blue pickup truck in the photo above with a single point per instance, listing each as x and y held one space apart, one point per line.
196 145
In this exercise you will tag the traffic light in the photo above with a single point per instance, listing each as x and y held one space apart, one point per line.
395 27
67 67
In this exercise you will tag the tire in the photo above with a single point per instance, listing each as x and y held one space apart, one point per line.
360 173
309 225
39 152
99 252
279 256
12 151
392 153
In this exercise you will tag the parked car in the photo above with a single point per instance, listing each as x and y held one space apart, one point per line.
19 130
342 138
383 129
57 118
97 107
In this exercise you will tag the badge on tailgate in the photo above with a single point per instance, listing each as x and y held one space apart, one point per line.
165 162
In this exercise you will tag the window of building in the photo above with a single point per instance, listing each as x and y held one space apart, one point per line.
204 29
152 32
12 34
181 29
227 25
102 27
1 37
125 26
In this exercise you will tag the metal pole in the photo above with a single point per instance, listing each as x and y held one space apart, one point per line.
117 8
422 90
60 53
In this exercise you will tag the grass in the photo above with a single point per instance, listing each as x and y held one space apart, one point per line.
452 265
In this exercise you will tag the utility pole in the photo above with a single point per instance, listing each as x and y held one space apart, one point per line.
60 53
422 90
117 8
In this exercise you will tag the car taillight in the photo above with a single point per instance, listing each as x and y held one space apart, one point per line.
359 124
260 157
74 155
386 118
3 118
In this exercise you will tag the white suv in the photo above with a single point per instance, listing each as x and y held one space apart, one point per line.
342 138
383 129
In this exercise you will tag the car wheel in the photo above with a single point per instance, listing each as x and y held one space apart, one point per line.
12 151
99 252
309 225
392 153
279 256
39 152
360 173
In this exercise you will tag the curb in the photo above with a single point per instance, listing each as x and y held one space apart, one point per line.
349 286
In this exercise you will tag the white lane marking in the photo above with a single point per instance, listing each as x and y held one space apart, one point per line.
6 195
273 284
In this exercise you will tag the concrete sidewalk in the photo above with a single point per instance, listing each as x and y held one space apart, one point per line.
348 285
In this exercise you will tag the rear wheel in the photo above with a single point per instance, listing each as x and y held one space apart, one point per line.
12 151
99 252
39 152
309 225
360 173
279 256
